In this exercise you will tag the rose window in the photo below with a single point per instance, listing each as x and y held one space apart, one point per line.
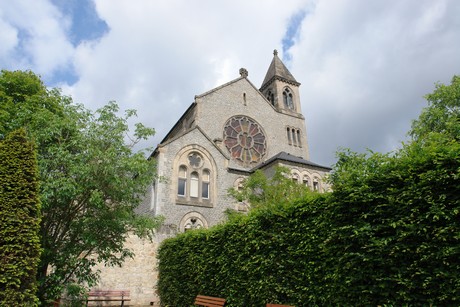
245 140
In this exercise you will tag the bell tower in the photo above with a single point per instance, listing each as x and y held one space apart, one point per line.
281 88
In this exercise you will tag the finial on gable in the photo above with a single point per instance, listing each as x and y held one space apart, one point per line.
243 72
275 52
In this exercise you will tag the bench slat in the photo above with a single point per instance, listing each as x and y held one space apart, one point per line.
108 296
209 301
109 293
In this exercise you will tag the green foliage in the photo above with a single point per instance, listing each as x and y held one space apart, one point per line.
251 260
442 114
19 221
259 190
91 179
394 236
388 233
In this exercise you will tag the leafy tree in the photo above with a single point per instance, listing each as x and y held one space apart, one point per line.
394 218
442 114
91 179
19 221
259 190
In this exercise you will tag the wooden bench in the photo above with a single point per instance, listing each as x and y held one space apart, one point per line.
278 305
209 301
108 296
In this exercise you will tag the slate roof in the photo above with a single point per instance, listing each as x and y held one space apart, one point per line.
284 156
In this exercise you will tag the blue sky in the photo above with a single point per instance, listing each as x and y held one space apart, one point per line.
85 25
292 33
364 65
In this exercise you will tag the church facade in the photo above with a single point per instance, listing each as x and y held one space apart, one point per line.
224 136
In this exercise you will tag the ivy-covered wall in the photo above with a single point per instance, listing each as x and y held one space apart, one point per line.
19 221
389 233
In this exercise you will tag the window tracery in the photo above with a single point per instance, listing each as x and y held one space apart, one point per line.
245 140
288 99
194 179
192 220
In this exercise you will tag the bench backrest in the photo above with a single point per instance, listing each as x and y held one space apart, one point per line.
209 301
109 293
278 305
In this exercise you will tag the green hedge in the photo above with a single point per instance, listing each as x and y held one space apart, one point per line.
389 234
19 221
251 260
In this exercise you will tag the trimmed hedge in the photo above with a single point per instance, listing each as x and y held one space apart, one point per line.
251 260
389 234
19 221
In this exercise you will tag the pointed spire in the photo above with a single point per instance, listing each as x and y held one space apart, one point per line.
278 70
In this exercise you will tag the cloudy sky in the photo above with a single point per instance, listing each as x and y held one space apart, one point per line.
364 65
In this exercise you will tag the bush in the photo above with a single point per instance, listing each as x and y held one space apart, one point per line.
19 221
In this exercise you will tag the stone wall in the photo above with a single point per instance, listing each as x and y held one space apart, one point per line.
139 275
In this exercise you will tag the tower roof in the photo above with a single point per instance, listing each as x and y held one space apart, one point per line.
278 70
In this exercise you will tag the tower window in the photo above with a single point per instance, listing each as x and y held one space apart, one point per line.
294 136
299 143
271 97
287 98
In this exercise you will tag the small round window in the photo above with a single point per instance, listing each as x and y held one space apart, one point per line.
195 160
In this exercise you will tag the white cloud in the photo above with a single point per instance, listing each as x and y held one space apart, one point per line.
8 37
43 45
158 55
364 65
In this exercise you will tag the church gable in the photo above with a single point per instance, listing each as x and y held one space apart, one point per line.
192 166
239 103
226 134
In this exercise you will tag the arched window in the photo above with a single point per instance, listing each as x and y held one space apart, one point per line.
306 181
194 179
294 136
191 221
205 184
271 97
194 184
299 143
288 132
295 177
182 181
316 185
287 98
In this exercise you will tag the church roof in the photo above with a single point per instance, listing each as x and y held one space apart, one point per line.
284 156
278 70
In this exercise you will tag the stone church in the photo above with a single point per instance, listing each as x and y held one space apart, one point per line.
224 136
